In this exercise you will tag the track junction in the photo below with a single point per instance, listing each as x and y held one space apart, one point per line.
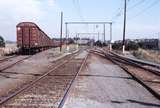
86 78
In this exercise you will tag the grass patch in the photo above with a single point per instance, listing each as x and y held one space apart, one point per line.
149 55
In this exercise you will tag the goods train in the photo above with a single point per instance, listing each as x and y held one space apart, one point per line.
31 39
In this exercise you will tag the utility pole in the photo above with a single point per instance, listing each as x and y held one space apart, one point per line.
98 35
77 40
110 37
66 30
61 31
104 32
67 48
124 29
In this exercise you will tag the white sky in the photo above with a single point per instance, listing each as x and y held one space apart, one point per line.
46 14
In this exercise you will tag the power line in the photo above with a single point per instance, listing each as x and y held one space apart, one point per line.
146 9
78 8
135 5
120 13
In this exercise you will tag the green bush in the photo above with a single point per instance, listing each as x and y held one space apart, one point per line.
2 43
128 46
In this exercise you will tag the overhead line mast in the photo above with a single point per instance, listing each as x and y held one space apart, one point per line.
61 30
124 29
103 23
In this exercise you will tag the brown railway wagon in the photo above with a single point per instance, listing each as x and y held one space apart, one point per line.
31 38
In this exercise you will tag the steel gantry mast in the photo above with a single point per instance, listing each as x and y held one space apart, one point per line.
103 23
124 29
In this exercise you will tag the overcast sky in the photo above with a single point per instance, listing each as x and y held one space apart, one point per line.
143 18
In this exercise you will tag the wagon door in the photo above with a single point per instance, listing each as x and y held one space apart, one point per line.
26 35
33 38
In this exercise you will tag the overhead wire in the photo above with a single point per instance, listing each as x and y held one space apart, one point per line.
149 6
80 14
135 5
120 13
78 8
145 9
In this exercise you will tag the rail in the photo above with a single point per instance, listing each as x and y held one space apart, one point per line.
123 62
33 83
71 83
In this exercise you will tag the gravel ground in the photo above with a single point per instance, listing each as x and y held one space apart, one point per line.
147 77
101 84
11 61
26 71
150 79
48 92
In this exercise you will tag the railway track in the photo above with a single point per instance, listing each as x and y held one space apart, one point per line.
154 68
148 77
71 83
140 62
49 89
10 62
147 66
6 58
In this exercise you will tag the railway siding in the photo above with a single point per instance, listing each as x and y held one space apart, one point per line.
24 72
145 73
49 91
102 84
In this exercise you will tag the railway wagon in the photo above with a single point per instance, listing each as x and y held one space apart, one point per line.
30 38
57 42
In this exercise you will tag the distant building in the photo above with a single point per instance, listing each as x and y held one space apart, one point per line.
85 41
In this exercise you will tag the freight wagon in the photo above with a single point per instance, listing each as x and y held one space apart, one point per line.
30 38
